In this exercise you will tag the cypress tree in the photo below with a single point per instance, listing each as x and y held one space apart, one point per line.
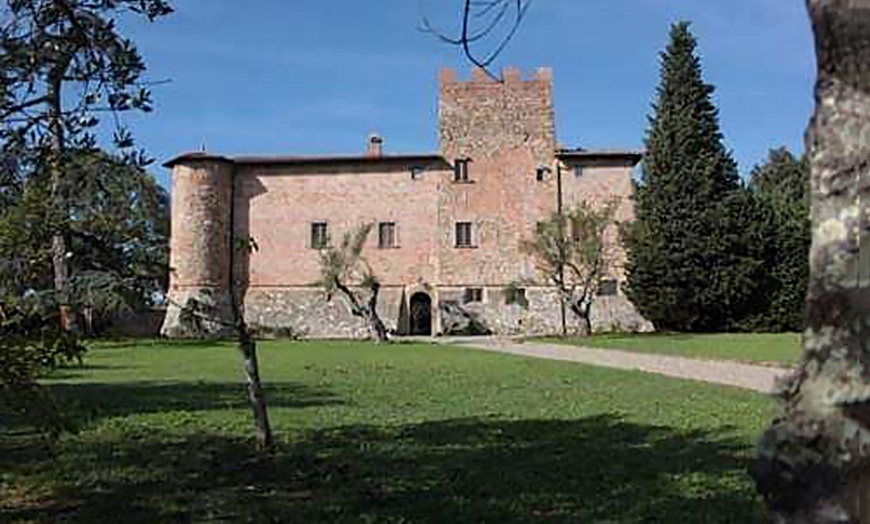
692 260
782 188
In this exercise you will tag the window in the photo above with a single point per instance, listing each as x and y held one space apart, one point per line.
463 235
576 232
515 295
578 170
387 237
319 235
541 172
608 287
473 294
460 170
416 172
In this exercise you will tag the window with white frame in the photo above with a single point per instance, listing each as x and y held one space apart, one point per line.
319 235
464 234
387 235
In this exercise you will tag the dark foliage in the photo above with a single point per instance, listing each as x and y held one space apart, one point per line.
119 230
31 345
693 263
781 187
64 64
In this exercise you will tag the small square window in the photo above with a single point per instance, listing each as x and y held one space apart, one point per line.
473 294
541 173
576 232
516 295
578 171
416 172
608 287
319 235
387 237
463 235
460 170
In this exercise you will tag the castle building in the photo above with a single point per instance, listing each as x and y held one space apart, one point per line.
448 226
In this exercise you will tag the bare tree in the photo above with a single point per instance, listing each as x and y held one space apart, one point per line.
247 346
342 267
814 461
571 251
486 28
196 312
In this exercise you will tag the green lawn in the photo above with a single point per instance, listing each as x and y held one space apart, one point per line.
400 433
772 348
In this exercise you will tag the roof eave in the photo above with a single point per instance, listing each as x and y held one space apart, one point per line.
300 160
568 154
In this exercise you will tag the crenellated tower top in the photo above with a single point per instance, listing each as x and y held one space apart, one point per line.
481 116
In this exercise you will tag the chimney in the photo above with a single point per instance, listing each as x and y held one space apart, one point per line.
375 146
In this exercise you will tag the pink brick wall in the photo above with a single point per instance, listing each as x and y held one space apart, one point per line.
600 182
506 129
276 206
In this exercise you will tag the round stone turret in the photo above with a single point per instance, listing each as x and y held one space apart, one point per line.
199 258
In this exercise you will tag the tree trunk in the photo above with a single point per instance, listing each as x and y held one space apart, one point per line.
583 309
587 324
376 326
246 344
256 397
60 261
813 461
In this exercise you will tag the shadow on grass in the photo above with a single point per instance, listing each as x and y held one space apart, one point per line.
593 469
74 371
133 343
82 403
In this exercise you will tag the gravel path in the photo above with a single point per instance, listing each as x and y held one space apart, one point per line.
758 378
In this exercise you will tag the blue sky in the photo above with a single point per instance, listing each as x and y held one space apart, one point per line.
315 77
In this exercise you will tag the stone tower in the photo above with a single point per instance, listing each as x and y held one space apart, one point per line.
503 134
199 259
482 118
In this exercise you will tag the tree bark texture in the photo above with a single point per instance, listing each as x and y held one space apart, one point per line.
814 461
376 325
256 397
368 312
59 259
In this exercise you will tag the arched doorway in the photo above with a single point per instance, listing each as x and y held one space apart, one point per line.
421 314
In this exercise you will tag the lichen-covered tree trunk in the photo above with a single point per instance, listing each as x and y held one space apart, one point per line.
814 461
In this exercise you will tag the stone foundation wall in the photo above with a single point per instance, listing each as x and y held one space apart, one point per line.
305 312
540 314
209 313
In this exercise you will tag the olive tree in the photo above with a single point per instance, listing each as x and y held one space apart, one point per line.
572 252
343 268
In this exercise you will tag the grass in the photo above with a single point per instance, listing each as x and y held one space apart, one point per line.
767 348
399 433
